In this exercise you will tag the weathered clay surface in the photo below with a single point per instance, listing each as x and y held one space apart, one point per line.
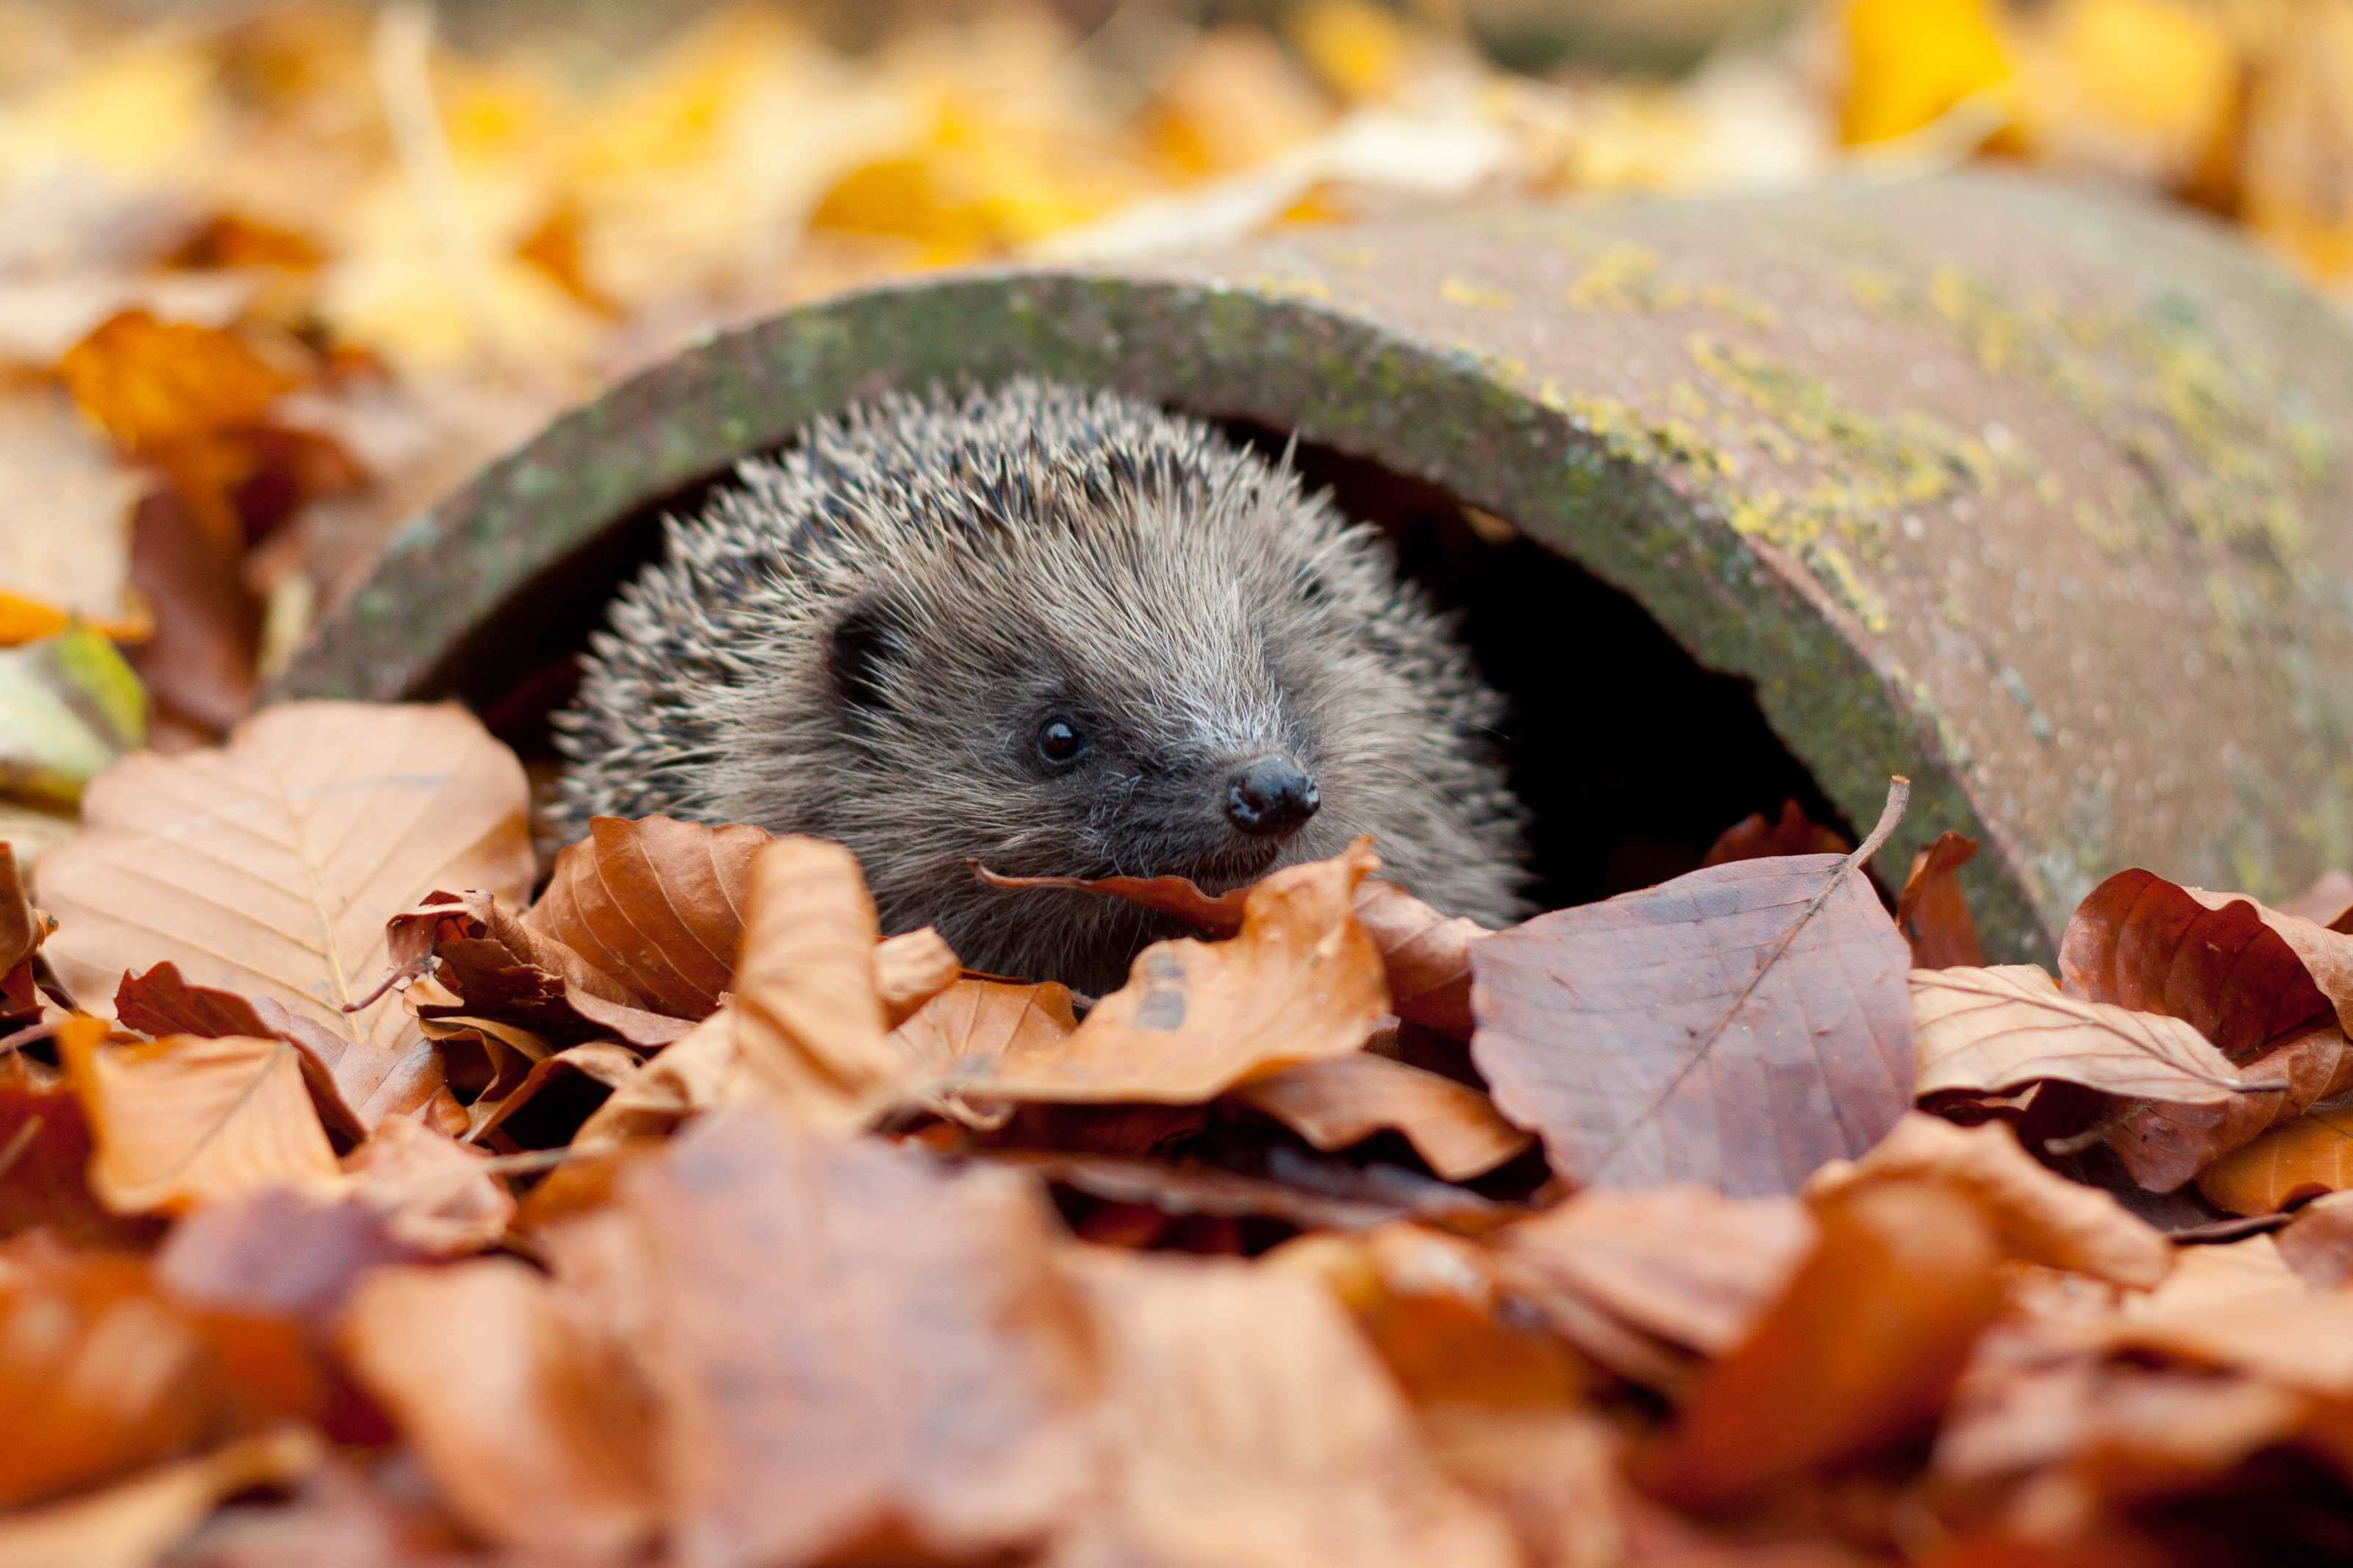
2029 492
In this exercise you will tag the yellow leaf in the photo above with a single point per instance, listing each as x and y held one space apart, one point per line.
1356 47
1912 61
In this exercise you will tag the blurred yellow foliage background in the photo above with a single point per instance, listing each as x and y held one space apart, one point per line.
273 277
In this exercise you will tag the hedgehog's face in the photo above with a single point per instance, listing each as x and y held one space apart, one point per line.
1137 714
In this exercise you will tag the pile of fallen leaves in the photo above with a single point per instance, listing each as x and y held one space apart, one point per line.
276 276
360 1208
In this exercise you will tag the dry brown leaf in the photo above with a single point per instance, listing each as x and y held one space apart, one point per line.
1735 1027
656 904
808 1023
156 386
491 968
2318 1243
2038 1216
1302 981
45 1154
526 1423
432 1190
269 867
983 1021
1343 1100
161 1003
183 1121
1183 1191
693 1074
911 968
136 1524
1450 1334
1862 1350
1220 916
1680 1264
2213 960
1255 1429
22 928
1989 1031
2257 1317
1427 956
1932 914
2163 1145
792 1426
2312 1153
1756 838
547 1109
276 1253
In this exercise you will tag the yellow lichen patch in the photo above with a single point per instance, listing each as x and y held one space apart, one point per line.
1475 296
1739 306
1627 278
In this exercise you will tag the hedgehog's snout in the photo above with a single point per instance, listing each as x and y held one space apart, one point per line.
1271 796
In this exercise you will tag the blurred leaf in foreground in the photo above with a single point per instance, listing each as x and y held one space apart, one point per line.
69 709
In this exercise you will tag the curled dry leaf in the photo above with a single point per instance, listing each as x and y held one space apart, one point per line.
2318 1243
983 1021
1253 1427
911 968
45 1154
2143 942
1932 914
1444 1326
2038 1216
1735 1027
1862 1350
656 904
793 1428
809 1032
2311 1154
496 968
433 1191
1343 1100
2163 1145
1989 1031
1756 838
1182 1191
546 1109
22 928
1426 955
1682 1264
268 867
161 1003
529 1427
183 1121
1301 982
1220 916
2265 1321
693 1074
137 1523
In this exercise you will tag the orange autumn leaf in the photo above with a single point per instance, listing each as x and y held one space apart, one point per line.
1862 1350
1300 983
525 1422
1931 912
656 904
1343 1100
2312 1153
183 1121
154 384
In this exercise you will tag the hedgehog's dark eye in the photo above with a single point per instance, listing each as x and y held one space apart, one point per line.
1058 741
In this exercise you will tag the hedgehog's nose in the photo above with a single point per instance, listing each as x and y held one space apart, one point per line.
1270 795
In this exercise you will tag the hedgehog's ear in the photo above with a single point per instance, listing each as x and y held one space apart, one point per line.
864 640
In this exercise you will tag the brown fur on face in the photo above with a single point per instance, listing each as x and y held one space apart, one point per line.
866 638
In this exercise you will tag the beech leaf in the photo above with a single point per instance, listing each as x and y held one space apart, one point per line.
1735 1027
1931 912
183 1121
1989 1031
1254 1427
2312 1153
794 1428
524 1420
268 867
1301 982
656 904
1343 1100
2140 942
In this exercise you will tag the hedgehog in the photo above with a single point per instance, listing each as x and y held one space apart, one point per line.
1047 631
